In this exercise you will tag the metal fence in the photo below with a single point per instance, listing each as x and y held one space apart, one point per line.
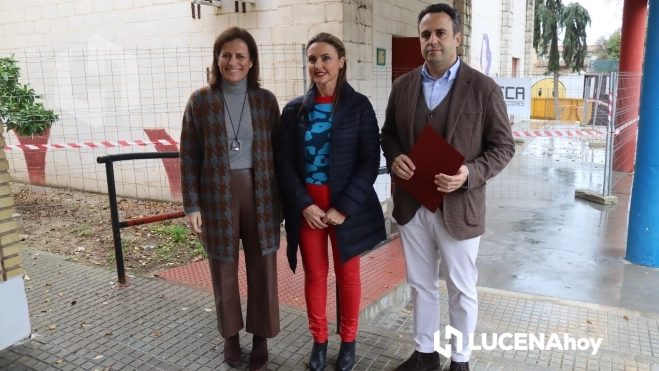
624 132
111 101
557 155
575 152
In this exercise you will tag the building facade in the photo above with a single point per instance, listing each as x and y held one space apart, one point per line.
121 71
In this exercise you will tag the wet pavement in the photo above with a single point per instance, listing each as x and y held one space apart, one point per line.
569 249
541 240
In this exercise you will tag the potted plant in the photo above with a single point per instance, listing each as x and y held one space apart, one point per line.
21 111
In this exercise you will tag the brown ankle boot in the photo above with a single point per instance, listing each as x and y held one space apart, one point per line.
258 359
232 351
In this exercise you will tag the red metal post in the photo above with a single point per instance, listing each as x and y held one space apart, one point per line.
151 219
634 18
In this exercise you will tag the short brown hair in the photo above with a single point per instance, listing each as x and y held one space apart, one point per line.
228 35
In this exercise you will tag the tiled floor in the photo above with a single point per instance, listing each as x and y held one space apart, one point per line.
630 340
381 270
149 325
153 325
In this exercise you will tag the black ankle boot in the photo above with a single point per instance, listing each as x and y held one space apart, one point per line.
318 358
420 362
459 366
346 359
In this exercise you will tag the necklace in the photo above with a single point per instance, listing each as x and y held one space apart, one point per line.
235 144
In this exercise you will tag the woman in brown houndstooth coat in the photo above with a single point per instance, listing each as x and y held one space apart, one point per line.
230 192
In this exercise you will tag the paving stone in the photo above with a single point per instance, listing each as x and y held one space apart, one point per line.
189 340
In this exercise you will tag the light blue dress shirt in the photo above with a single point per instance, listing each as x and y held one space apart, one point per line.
435 90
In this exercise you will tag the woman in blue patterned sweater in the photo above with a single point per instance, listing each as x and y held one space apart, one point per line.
326 161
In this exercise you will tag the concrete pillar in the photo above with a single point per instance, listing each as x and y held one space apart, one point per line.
528 46
464 7
629 82
506 38
14 315
643 233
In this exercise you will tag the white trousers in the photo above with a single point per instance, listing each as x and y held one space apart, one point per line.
427 244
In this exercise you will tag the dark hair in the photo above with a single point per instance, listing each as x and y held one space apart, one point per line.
228 35
341 51
439 8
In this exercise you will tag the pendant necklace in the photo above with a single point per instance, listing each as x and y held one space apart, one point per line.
235 144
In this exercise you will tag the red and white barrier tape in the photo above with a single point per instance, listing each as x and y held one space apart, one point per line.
610 104
603 103
85 145
624 126
142 143
556 133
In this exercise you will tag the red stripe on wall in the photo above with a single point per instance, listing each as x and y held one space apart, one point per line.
172 165
35 159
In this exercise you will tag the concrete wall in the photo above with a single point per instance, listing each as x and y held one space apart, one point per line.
390 18
122 70
114 70
503 26
358 26
506 37
528 49
486 35
518 48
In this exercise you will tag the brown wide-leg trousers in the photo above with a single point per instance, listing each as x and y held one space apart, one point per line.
262 299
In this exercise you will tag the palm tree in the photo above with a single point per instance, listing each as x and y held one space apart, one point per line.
551 19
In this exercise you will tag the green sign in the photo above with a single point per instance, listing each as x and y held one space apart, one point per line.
381 57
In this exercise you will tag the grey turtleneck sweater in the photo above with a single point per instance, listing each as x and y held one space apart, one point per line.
234 94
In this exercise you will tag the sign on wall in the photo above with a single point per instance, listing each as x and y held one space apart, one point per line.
381 57
516 93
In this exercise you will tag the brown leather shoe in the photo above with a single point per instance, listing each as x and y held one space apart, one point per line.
420 362
459 366
258 359
232 351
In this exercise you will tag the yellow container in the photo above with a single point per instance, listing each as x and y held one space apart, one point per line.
542 103
570 109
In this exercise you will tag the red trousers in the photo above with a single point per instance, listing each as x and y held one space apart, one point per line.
315 261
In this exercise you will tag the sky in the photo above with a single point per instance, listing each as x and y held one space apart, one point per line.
606 17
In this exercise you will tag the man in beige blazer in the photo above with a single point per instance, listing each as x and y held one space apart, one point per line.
467 108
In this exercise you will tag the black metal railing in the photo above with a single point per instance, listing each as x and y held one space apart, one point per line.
117 225
114 211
